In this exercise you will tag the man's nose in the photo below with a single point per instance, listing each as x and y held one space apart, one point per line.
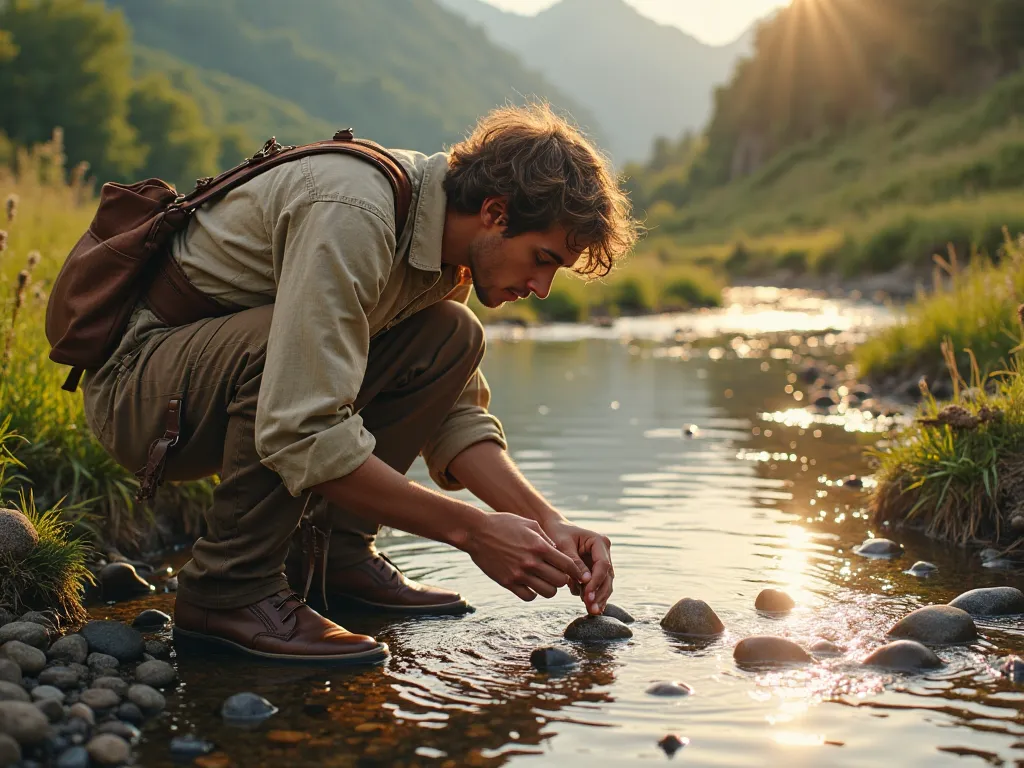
541 286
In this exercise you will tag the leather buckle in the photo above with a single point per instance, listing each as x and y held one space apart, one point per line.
151 475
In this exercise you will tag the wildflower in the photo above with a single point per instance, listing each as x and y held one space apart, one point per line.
23 278
922 384
12 207
33 259
957 417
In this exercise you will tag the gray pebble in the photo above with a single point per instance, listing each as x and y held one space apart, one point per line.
100 698
769 650
72 648
52 708
551 657
155 673
148 699
30 659
922 569
879 548
102 663
990 601
692 617
108 749
24 722
903 656
615 612
114 639
9 671
83 711
936 625
158 649
44 618
27 632
246 707
115 684
126 731
13 692
151 619
41 692
10 750
76 757
130 713
670 688
64 678
190 746
597 629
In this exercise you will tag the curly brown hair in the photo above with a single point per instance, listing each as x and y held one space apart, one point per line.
550 175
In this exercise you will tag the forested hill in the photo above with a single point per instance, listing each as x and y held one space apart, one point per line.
404 72
640 79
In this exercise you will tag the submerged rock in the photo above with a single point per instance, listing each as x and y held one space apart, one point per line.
774 601
151 619
18 536
1012 668
596 629
936 625
120 581
765 649
551 657
672 743
990 601
114 639
246 708
903 656
146 698
614 612
692 617
670 688
879 548
825 648
921 568
190 746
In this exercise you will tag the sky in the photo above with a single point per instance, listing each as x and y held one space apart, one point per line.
712 21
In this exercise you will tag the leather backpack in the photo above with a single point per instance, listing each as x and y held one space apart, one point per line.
123 257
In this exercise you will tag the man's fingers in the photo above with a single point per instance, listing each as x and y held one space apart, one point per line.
522 592
549 575
563 563
540 586
599 588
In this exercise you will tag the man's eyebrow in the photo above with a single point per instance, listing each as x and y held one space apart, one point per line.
555 256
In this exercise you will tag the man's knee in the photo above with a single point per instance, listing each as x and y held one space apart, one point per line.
459 326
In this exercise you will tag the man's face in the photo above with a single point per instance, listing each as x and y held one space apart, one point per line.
507 269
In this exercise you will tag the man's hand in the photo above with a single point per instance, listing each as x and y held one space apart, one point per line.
592 554
519 555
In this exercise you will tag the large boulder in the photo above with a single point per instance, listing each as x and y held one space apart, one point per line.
936 625
597 629
903 656
692 617
18 536
988 601
765 649
114 639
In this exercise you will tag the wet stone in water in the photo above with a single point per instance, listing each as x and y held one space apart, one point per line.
551 657
936 625
692 617
190 746
669 688
246 707
826 648
774 601
155 673
120 581
157 649
121 729
614 612
76 757
26 632
1012 669
31 660
13 692
151 619
148 699
108 749
71 648
597 629
903 656
672 743
990 601
880 548
766 649
922 568
114 639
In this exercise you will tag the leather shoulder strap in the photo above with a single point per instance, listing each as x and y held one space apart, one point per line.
274 154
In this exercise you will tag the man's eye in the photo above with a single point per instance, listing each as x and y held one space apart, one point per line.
540 260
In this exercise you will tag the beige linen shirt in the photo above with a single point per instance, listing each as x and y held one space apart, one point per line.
316 237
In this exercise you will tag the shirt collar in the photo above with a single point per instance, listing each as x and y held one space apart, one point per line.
429 214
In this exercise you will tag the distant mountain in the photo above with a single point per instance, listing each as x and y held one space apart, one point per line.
406 73
639 78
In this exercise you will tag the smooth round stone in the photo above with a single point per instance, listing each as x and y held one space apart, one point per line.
765 649
52 708
26 632
1012 668
774 601
669 688
114 639
83 711
24 722
614 612
102 663
9 671
146 698
936 625
18 536
64 678
989 553
10 750
155 673
672 743
151 619
157 649
551 657
246 707
31 660
45 619
121 729
99 699
41 692
903 656
596 629
692 617
13 692
999 564
825 648
190 746
71 648
120 581
76 757
921 568
115 684
130 713
108 749
879 548
990 601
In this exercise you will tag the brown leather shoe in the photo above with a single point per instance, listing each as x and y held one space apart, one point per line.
278 628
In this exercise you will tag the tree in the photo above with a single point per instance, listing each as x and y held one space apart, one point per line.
1003 30
70 68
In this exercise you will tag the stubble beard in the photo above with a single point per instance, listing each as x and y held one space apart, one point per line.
482 255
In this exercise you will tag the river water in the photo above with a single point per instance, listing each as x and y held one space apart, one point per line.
598 419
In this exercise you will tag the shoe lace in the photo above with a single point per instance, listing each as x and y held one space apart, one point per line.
396 571
291 599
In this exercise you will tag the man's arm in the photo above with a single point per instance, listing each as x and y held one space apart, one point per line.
489 473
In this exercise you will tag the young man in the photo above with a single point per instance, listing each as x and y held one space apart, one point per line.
354 353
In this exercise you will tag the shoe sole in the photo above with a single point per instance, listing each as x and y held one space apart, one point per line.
184 638
444 609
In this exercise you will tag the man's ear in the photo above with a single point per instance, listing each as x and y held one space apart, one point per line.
494 212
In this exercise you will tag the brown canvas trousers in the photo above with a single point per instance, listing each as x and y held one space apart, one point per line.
415 373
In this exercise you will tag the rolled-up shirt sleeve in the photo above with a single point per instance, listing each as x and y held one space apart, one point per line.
468 422
336 258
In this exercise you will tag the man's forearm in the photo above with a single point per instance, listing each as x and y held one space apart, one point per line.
379 493
489 473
